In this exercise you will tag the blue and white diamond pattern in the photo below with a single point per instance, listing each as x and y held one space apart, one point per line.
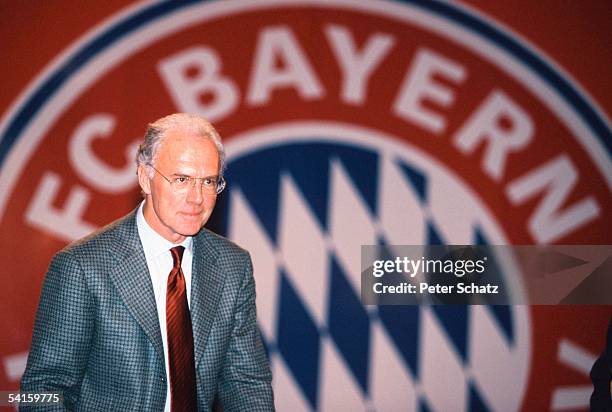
303 208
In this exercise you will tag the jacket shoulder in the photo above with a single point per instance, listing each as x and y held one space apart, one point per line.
105 239
220 244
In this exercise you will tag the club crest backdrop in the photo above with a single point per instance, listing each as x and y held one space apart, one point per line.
346 123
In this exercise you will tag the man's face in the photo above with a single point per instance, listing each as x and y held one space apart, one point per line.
177 214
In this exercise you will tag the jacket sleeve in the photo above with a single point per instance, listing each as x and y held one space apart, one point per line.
62 333
246 378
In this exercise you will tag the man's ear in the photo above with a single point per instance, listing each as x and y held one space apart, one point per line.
143 180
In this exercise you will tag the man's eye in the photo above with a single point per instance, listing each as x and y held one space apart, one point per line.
181 180
209 181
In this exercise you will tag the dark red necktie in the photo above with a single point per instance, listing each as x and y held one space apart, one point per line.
183 391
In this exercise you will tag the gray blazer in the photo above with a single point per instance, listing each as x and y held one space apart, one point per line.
97 337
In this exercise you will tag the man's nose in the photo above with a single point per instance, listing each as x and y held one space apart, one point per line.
196 192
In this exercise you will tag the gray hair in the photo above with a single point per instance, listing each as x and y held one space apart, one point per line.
193 123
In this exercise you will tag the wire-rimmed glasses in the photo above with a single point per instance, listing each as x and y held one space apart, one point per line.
212 185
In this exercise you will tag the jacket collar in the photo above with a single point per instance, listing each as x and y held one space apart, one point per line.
206 286
132 280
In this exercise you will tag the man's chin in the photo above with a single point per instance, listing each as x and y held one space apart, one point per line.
190 230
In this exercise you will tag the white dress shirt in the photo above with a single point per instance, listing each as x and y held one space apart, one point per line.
159 261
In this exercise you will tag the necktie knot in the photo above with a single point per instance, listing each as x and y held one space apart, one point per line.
177 256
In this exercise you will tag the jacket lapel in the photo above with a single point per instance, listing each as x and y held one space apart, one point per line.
133 281
206 285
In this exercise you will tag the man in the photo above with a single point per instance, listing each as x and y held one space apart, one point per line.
153 312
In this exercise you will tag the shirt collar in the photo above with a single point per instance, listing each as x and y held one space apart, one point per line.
153 242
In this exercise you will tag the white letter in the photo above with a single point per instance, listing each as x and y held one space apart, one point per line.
187 90
419 84
89 167
378 272
279 44
484 124
557 178
356 66
65 223
416 265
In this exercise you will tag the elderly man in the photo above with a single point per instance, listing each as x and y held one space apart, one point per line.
153 312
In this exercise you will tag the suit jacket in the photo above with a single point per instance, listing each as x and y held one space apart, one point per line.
97 337
601 375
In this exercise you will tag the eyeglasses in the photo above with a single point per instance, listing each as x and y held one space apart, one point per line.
212 185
